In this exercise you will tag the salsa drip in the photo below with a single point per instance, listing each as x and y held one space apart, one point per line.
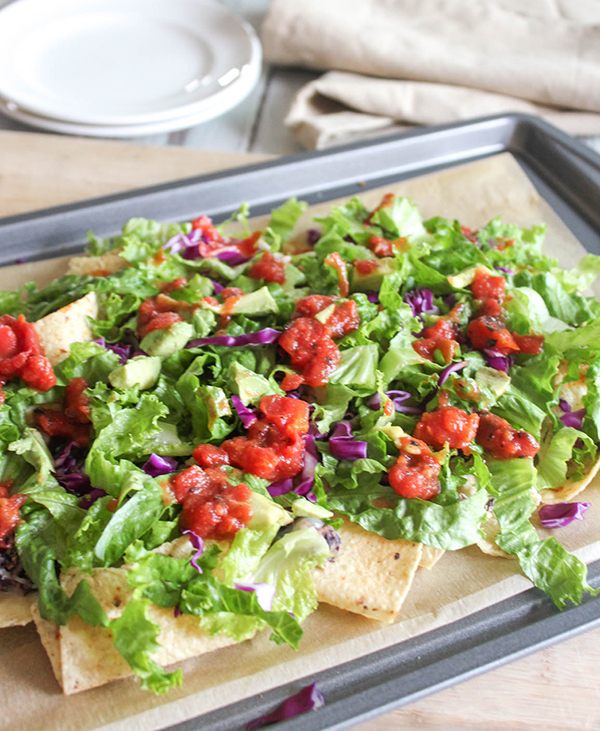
213 244
9 512
21 354
211 506
415 473
502 440
161 311
72 421
268 268
488 331
273 447
310 342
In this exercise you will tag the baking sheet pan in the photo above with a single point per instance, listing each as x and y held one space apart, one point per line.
566 175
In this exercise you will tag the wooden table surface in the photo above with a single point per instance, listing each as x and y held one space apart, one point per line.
556 689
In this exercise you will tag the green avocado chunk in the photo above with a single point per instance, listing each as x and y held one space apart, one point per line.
167 341
142 371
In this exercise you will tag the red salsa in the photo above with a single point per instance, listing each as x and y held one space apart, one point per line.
73 421
439 336
212 507
501 440
273 447
448 425
9 512
415 474
309 343
21 354
268 269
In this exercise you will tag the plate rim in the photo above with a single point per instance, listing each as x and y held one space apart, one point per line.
27 104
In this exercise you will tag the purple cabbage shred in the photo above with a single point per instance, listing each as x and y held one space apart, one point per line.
496 360
198 545
343 445
308 699
247 415
574 418
373 297
452 368
421 302
157 465
268 336
312 236
561 514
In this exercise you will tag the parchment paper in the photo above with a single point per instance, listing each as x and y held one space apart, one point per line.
460 584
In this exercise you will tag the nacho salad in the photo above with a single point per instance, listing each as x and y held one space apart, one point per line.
206 431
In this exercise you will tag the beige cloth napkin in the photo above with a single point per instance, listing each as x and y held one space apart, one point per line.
435 61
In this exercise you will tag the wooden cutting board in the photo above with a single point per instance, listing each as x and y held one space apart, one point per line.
554 690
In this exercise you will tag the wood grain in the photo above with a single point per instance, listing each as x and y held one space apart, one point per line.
558 688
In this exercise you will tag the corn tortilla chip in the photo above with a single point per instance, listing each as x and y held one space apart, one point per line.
430 556
571 488
88 657
96 265
60 329
49 633
15 609
370 575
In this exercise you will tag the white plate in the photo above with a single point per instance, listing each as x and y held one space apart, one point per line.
122 62
220 105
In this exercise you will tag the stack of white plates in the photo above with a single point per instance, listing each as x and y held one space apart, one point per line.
123 68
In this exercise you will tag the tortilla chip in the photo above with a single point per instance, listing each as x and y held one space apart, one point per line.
60 329
15 609
430 556
487 544
88 657
96 265
571 488
370 575
49 633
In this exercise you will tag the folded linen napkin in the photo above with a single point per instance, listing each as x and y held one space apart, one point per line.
434 61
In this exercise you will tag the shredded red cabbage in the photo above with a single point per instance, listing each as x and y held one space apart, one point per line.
561 514
506 270
217 288
452 368
496 360
198 544
157 465
308 699
183 242
421 302
282 487
397 399
373 297
233 257
88 500
343 445
123 351
268 336
65 462
307 477
247 415
564 405
574 418
313 235
265 593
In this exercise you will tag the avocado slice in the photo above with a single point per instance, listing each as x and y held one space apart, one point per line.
266 513
142 371
303 508
260 302
167 341
372 280
250 385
